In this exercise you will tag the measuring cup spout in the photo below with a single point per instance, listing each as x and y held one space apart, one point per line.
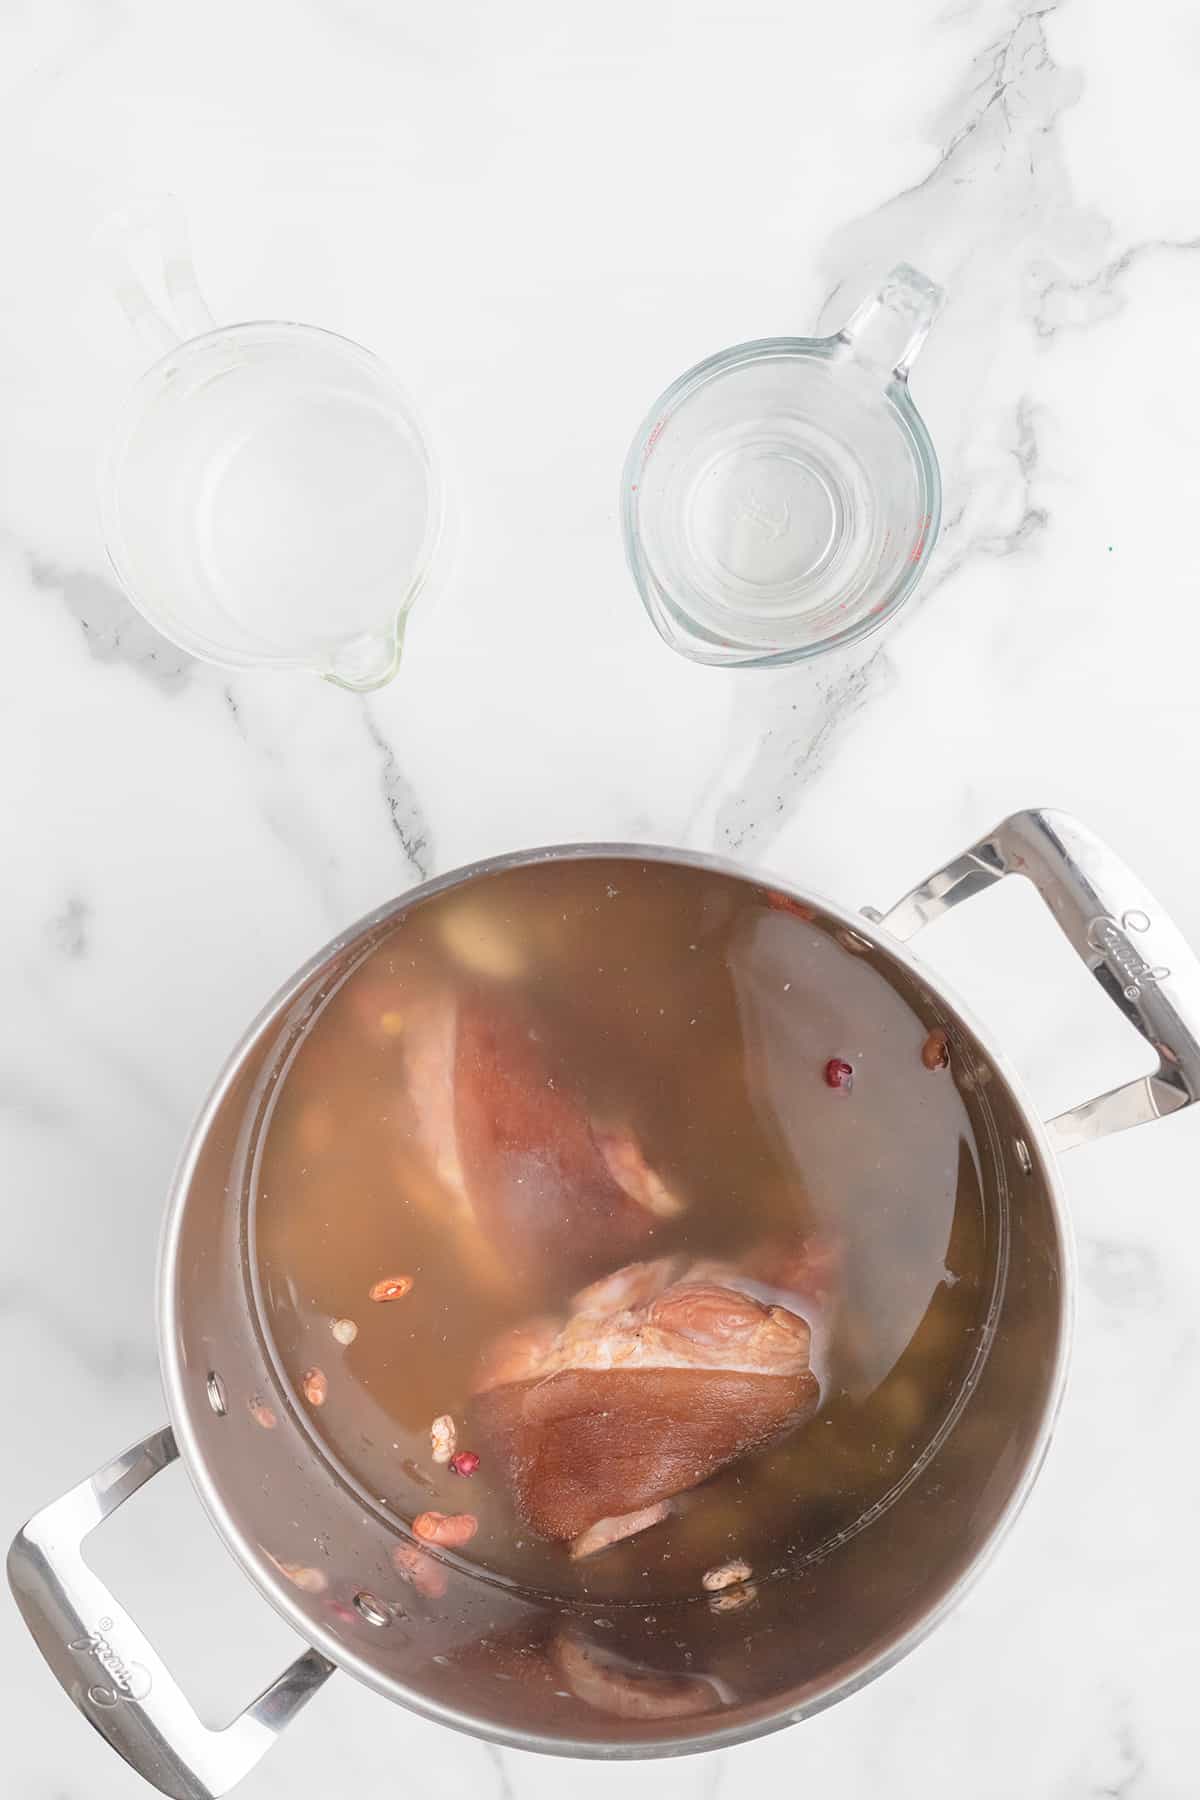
145 254
366 662
887 331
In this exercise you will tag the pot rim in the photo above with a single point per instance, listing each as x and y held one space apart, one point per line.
276 1591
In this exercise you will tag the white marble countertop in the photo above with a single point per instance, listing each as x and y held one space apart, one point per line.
540 214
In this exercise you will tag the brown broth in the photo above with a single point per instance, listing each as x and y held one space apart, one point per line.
702 1015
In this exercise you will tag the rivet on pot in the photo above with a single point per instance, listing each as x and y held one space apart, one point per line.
850 940
1023 1156
371 1609
214 1387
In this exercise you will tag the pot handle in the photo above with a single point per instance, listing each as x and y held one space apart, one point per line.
1123 935
109 1668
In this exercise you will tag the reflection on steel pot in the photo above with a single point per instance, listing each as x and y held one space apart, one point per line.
450 1641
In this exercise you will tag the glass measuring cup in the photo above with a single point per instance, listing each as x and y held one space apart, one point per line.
269 498
783 496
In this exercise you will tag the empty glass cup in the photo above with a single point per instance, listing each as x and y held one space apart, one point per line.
270 498
783 497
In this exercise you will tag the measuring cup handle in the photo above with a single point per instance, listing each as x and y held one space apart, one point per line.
145 254
887 331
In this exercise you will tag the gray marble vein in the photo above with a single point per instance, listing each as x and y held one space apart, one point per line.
997 189
22 1100
495 1757
407 820
1125 1276
1065 304
70 928
113 630
284 796
715 1773
994 212
1000 518
995 133
1124 1760
805 722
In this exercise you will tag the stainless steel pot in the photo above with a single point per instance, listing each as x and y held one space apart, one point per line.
606 1682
